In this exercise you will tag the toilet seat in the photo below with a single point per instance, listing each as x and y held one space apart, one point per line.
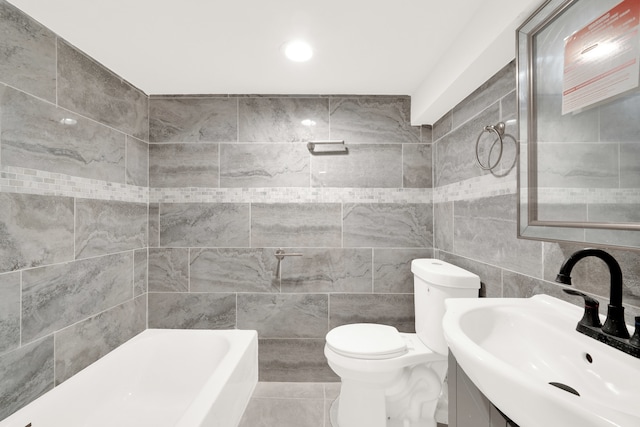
367 341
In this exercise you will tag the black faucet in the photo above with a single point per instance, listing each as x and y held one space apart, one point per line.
614 332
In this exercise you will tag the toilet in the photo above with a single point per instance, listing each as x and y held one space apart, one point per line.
398 379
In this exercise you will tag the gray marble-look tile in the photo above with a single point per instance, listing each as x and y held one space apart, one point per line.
327 270
137 163
553 126
520 286
25 375
154 225
296 360
388 309
57 296
490 276
366 166
183 165
87 87
233 270
83 343
443 126
485 230
373 119
283 413
205 225
577 165
9 311
416 166
140 271
283 119
264 165
455 158
34 137
206 119
619 119
107 226
392 269
168 270
388 225
591 274
34 230
27 53
192 311
284 315
289 390
296 224
426 134
503 82
629 164
443 226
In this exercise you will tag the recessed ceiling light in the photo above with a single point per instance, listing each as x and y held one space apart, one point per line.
298 51
68 121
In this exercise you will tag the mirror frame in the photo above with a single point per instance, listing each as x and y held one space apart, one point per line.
529 226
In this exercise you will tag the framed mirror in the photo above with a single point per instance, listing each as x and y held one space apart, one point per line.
578 68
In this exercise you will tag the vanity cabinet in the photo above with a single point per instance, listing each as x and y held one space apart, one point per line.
468 407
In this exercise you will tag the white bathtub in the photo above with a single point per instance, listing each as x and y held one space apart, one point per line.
160 378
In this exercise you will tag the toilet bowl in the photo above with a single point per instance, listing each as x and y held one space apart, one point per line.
394 379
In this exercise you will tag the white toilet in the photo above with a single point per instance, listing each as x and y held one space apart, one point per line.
394 379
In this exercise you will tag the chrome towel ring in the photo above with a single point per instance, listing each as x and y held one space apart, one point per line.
499 131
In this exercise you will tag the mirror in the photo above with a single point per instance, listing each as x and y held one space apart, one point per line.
578 65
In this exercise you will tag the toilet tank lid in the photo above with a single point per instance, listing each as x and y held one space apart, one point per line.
443 274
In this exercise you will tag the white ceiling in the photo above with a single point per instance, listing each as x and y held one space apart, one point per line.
233 47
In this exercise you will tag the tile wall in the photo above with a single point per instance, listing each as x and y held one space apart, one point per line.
179 204
73 210
232 181
475 211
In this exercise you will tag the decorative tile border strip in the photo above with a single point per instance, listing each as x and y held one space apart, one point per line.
475 188
31 181
604 196
290 195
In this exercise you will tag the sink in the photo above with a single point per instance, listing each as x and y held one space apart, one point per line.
514 348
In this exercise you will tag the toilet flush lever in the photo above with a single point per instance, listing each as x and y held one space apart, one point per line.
280 254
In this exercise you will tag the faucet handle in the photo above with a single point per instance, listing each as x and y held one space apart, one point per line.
591 315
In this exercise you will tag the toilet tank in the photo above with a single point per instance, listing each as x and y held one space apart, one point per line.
433 282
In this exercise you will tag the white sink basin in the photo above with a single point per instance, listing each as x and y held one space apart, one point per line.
512 348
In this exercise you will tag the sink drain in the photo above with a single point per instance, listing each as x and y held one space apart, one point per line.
565 388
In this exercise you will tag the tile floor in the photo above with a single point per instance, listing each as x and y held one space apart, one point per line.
291 405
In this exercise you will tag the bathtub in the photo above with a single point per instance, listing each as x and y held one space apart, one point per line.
159 378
